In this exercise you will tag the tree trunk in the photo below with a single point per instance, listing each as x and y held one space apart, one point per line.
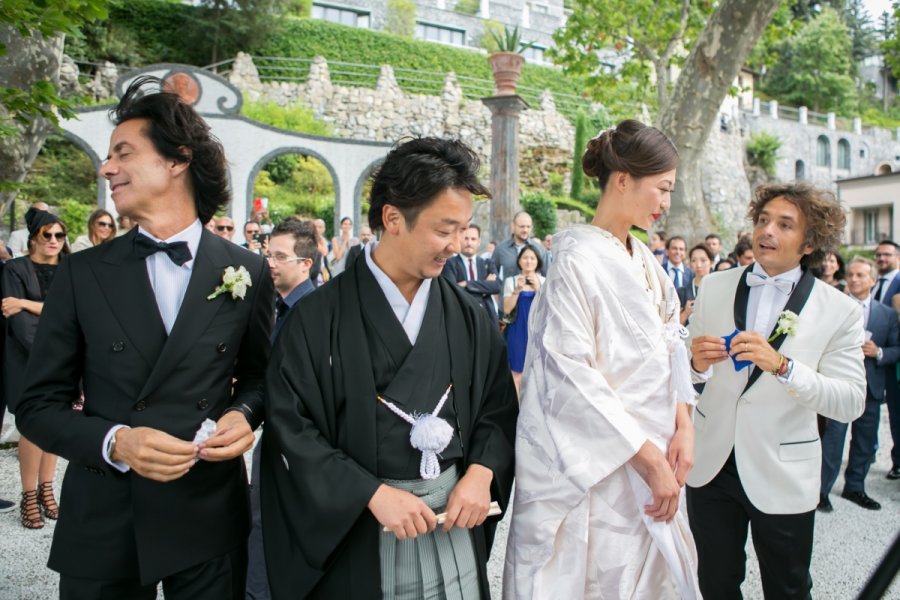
29 60
693 106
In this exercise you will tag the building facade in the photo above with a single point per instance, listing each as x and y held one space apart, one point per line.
461 23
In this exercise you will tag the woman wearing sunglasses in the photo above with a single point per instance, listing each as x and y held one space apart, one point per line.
101 228
25 282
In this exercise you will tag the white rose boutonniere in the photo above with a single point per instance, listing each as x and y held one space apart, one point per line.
234 282
787 324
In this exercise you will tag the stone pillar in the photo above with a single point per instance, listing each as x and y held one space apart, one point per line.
832 123
857 126
803 115
504 161
773 109
756 107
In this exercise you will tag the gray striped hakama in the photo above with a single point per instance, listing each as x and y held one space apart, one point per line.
437 565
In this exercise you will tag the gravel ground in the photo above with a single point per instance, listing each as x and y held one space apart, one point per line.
849 542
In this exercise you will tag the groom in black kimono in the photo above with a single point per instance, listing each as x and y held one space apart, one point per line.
388 331
138 323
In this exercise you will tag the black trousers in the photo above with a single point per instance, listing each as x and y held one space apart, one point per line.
720 513
221 578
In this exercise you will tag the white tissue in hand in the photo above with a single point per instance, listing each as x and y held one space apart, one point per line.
206 431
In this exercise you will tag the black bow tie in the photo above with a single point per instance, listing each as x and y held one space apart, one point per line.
177 251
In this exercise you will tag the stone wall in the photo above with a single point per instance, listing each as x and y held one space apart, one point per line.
387 113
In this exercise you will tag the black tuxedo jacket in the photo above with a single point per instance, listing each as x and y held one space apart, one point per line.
481 289
100 323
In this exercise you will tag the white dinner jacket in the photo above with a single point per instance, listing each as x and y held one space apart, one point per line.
772 425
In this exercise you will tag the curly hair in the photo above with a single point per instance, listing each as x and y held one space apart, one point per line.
178 133
825 218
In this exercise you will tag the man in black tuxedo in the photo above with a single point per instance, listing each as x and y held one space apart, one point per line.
886 287
882 350
476 275
163 338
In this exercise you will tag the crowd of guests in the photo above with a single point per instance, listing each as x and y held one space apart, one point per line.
396 418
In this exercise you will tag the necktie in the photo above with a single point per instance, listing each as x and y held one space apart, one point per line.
782 285
177 251
881 282
471 269
677 277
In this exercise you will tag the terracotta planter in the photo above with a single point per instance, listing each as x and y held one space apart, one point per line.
507 66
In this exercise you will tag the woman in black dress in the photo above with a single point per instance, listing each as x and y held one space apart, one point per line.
25 283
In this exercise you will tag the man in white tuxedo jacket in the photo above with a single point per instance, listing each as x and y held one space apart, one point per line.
757 453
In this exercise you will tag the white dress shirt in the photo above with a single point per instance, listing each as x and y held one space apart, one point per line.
474 261
679 280
410 315
765 302
169 282
888 280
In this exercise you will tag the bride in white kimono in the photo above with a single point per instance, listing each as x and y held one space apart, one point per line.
604 439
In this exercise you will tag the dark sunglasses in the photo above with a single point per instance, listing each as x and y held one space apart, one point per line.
104 224
59 235
224 227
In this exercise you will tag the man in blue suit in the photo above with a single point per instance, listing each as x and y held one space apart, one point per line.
882 350
886 287
476 275
676 252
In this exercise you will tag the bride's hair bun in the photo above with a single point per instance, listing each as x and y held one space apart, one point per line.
629 147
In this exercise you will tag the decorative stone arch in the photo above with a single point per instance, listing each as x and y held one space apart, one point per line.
360 184
884 168
262 162
246 142
95 159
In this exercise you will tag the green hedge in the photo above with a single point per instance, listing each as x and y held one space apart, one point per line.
306 38
140 32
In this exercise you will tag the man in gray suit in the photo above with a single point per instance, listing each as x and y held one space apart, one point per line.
882 350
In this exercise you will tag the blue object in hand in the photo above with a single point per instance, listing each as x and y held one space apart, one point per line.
738 364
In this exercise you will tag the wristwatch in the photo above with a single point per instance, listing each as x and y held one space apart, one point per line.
788 371
111 447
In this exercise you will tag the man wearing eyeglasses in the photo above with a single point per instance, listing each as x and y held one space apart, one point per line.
291 253
225 228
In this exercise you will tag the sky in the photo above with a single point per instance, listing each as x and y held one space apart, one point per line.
876 7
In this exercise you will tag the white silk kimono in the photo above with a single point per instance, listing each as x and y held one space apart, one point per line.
598 383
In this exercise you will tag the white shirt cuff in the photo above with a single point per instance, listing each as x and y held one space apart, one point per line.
789 376
117 465
879 355
698 377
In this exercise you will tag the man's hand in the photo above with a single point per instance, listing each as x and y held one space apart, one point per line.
707 350
470 499
681 448
401 512
461 283
233 437
153 454
491 277
253 245
654 469
869 348
752 346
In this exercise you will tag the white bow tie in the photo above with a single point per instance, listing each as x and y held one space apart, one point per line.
782 285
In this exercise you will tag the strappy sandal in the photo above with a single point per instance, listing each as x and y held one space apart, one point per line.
30 511
47 501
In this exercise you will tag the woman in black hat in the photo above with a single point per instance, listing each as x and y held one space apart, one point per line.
25 283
